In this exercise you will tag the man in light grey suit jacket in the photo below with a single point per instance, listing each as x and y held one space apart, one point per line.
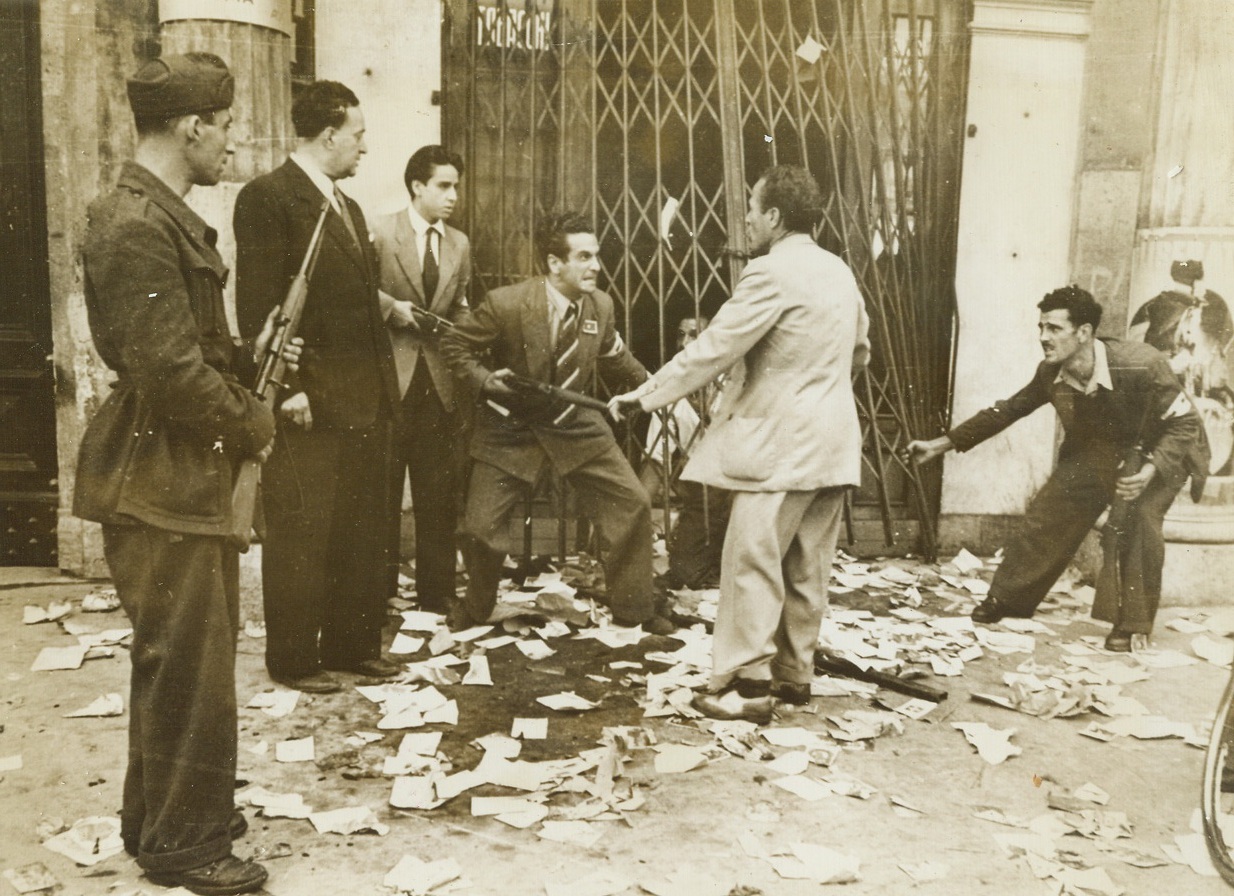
785 440
427 263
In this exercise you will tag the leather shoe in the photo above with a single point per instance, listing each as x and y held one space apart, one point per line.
313 683
1119 641
656 625
791 692
225 877
377 667
730 705
237 827
988 611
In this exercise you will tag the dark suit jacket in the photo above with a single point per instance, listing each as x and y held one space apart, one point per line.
162 448
1144 389
347 369
401 277
510 329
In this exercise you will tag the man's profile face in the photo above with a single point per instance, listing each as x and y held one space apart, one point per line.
576 274
436 199
759 226
1060 339
346 145
209 152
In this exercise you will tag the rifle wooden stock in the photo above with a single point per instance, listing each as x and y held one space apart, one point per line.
523 384
270 376
1108 589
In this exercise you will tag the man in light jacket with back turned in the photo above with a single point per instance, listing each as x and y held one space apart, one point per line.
785 441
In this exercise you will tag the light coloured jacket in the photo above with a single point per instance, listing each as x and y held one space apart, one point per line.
793 334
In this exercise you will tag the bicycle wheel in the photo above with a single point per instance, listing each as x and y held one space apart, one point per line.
1217 796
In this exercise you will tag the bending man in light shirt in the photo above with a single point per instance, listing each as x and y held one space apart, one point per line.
1110 395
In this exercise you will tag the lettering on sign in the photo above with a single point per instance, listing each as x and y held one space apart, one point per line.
516 28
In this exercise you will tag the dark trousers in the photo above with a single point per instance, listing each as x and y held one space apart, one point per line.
326 551
609 494
426 451
697 539
182 595
1060 516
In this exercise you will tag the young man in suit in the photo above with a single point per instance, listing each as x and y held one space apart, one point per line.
1110 395
557 329
326 490
427 263
785 441
156 469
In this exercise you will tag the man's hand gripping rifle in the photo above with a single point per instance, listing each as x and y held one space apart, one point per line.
270 376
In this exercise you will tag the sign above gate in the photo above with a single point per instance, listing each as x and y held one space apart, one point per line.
525 27
275 14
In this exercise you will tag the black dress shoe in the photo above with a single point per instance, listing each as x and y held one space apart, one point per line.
988 611
743 699
791 692
237 827
312 683
377 667
656 625
226 877
1119 641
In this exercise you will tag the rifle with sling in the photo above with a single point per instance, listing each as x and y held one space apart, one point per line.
1108 594
269 384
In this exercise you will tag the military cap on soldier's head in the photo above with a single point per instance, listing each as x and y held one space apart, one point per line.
1187 271
180 85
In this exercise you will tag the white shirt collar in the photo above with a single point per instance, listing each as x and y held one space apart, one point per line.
557 302
421 226
1101 373
316 175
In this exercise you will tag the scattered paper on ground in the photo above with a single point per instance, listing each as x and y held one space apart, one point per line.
300 750
993 745
89 841
102 707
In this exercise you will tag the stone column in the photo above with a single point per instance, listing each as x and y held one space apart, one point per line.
1186 209
1016 219
259 56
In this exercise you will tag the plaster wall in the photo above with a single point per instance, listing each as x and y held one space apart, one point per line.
1016 212
390 55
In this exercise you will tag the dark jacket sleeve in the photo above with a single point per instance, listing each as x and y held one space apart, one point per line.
620 372
1177 442
466 346
138 273
993 420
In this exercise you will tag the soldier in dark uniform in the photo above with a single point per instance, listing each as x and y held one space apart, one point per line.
156 468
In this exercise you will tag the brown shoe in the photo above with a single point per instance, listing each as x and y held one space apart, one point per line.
1119 641
377 667
314 683
791 692
226 877
743 699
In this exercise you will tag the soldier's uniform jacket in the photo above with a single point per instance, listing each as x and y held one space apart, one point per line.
163 447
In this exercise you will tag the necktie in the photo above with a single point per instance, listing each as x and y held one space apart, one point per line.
565 357
431 271
345 213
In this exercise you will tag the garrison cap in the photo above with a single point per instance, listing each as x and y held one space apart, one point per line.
180 85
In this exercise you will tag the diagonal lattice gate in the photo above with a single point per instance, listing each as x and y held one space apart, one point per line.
624 108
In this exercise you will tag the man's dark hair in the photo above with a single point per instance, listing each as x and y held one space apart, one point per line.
1079 304
795 192
424 161
321 105
552 235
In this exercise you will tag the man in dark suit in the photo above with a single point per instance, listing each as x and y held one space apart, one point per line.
156 469
559 329
326 491
427 263
1110 395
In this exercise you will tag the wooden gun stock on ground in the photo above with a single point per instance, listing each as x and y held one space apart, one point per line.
829 663
526 385
269 383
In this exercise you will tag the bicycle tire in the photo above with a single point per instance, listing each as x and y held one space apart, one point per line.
1219 752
